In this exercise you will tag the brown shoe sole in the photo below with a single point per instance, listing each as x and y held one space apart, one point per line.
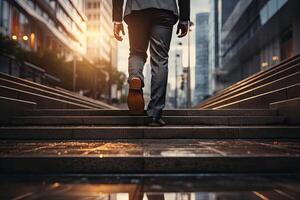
135 98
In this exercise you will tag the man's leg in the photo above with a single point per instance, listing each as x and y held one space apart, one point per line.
160 40
138 30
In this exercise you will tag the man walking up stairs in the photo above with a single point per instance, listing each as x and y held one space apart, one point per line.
242 149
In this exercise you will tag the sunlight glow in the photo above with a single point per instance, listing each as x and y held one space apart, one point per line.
122 196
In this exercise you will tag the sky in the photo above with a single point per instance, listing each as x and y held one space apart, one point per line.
197 6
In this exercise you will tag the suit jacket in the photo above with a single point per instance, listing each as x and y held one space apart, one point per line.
132 5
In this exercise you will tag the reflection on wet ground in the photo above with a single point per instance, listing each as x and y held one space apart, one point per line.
153 148
152 187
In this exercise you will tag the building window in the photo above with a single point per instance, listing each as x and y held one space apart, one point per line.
30 3
270 9
52 4
39 11
89 5
1 11
4 15
286 44
24 25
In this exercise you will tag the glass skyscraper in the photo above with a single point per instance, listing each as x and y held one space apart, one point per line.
202 71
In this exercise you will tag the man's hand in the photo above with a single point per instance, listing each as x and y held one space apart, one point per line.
182 28
118 28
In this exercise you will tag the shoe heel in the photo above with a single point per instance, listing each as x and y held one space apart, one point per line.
135 99
135 102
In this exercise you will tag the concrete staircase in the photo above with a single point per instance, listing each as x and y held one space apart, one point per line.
119 124
43 96
112 141
278 83
75 136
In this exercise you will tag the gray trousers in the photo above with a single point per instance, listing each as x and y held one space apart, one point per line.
151 27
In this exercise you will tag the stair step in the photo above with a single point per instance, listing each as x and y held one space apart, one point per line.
290 109
43 92
264 100
140 120
254 78
279 83
180 112
14 107
169 132
65 93
42 101
151 156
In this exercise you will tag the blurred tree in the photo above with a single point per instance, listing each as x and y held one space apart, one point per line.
117 78
9 46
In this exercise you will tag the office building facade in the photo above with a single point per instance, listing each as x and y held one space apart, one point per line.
213 55
202 70
101 45
58 25
256 35
220 10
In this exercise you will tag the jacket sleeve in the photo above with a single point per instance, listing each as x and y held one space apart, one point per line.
184 9
117 10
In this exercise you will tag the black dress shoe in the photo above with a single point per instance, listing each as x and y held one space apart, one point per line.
156 122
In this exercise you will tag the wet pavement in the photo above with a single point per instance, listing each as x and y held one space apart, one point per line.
150 156
152 187
153 148
75 170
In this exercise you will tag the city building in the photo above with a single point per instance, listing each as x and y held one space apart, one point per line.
202 70
101 45
58 25
256 35
206 196
176 95
169 97
213 54
220 10
225 9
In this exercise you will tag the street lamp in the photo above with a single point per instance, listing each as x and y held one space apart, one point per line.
25 37
111 41
176 76
189 103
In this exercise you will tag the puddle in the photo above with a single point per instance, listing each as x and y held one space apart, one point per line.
152 187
